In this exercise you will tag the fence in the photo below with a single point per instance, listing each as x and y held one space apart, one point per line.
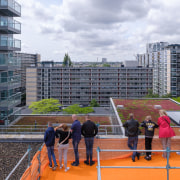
167 167
38 163
40 129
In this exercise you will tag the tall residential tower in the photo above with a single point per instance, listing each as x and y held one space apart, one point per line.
10 79
164 58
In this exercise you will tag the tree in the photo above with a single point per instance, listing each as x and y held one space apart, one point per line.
94 103
75 109
45 106
67 61
167 95
106 65
151 95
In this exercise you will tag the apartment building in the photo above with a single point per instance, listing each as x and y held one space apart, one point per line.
27 60
164 58
173 69
82 84
10 79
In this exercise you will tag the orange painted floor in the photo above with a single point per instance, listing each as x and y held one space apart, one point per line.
84 172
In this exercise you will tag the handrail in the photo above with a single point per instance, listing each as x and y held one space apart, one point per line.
167 167
27 153
39 129
117 116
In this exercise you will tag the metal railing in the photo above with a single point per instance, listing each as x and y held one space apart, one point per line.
40 129
27 153
167 167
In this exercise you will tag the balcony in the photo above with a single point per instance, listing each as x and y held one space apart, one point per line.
10 82
11 101
9 26
9 44
10 8
9 60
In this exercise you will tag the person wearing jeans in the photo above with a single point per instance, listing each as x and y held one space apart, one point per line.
132 130
132 144
50 150
89 130
75 143
76 137
49 139
89 141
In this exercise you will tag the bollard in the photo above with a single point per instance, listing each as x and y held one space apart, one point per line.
35 123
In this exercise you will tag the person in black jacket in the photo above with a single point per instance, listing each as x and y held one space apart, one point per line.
89 130
132 130
49 139
64 135
149 126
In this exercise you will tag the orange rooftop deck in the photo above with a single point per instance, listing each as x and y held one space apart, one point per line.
108 159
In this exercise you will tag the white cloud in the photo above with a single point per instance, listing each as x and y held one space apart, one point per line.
88 29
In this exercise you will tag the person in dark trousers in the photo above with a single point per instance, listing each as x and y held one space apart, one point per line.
76 137
132 131
89 130
49 139
149 126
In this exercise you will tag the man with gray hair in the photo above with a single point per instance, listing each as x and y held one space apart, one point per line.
76 137
132 131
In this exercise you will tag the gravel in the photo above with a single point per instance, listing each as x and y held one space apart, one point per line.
10 154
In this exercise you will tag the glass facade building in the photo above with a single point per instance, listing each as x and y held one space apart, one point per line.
10 63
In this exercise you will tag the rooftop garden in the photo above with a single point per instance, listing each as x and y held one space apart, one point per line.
41 120
143 107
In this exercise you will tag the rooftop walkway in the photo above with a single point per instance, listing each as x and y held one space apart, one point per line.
109 159
85 172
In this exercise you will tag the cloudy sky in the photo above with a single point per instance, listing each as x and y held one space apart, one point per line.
89 30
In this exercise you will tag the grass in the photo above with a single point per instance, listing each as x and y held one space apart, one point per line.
142 108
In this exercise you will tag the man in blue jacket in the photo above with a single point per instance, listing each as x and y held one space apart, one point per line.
76 137
49 139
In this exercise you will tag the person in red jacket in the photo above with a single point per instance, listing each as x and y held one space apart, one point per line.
165 131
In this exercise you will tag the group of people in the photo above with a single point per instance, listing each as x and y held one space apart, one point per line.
88 130
165 133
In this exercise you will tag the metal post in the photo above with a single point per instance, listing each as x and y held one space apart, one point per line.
29 155
168 166
39 160
35 124
98 167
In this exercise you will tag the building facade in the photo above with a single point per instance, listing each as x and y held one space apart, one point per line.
173 69
27 60
164 59
10 79
82 84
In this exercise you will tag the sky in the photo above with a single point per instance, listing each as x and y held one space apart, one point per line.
89 30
